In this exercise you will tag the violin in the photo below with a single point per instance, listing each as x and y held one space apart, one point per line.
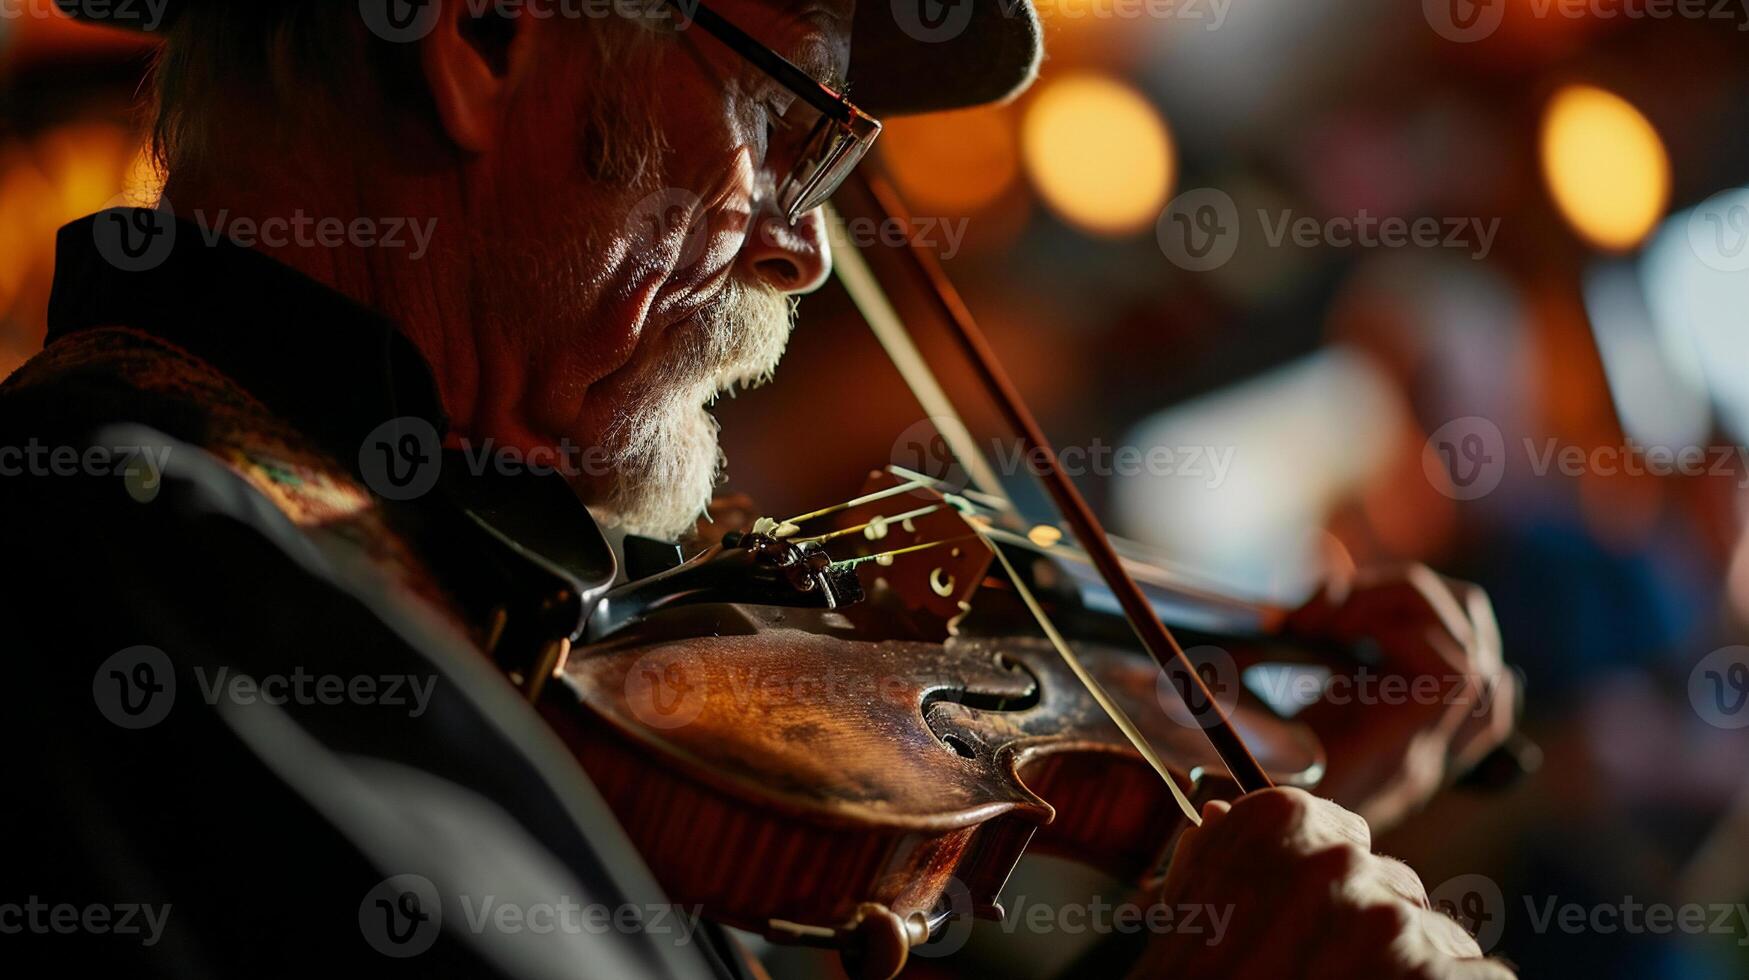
846 727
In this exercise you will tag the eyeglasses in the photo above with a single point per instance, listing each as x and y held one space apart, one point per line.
838 138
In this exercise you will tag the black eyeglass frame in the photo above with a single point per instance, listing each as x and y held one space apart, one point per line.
838 141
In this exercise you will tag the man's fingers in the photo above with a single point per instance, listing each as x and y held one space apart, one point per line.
1489 719
1402 881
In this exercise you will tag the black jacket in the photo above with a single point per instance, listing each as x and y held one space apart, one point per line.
246 710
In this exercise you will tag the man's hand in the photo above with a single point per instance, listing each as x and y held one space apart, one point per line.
1307 898
1441 699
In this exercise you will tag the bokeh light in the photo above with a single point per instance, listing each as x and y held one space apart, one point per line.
1605 166
953 162
1099 154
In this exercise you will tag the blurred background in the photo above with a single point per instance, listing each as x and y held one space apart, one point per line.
1167 240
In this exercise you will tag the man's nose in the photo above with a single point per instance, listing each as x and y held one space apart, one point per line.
788 258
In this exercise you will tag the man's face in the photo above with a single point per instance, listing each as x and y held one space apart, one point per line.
632 264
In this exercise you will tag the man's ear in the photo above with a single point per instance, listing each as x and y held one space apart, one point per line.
471 62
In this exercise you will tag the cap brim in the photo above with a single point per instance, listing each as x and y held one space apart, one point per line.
915 56
906 56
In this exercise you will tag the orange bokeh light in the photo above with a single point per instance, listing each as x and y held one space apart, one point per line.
1099 154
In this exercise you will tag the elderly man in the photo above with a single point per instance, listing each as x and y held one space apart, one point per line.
604 215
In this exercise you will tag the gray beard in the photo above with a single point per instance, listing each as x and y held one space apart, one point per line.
663 449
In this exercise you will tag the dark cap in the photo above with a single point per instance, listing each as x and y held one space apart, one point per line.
907 56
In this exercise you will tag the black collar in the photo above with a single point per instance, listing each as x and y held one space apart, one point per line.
333 368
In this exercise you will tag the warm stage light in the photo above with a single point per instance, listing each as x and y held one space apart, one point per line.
953 162
1605 166
1099 154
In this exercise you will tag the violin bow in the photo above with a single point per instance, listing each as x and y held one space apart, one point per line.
1150 631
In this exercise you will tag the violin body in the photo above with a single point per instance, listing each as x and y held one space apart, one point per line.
802 781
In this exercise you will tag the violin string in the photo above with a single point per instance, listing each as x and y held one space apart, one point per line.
1267 615
995 382
852 270
849 563
1091 683
882 520
867 498
989 503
